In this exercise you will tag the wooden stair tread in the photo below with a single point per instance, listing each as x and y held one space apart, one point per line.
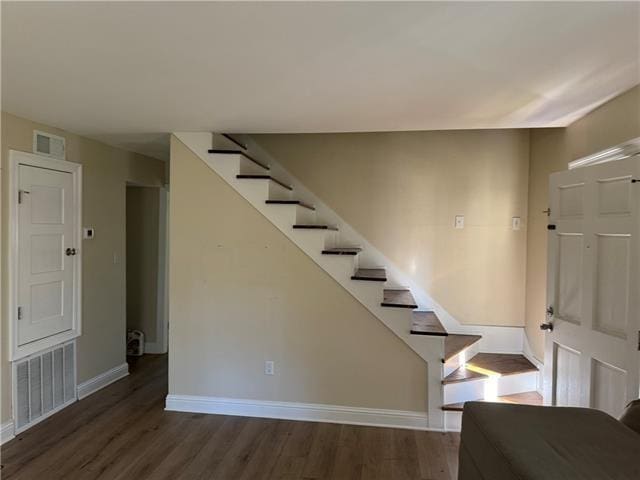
372 274
462 375
342 251
398 298
427 323
264 177
485 364
314 227
455 343
526 398
238 152
290 202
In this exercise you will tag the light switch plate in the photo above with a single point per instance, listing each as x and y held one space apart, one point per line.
515 223
269 368
459 221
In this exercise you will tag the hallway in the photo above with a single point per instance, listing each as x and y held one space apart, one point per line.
123 432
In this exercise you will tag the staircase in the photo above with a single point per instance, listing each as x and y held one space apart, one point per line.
457 371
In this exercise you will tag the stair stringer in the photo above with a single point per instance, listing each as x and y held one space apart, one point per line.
339 267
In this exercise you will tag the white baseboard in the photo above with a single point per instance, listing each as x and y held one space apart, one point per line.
100 381
528 353
153 347
311 412
6 432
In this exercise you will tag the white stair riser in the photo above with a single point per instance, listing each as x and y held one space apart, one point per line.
247 167
278 192
282 215
218 142
304 216
339 267
483 388
461 358
311 239
369 291
332 240
452 421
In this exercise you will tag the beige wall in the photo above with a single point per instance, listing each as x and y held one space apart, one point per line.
105 172
142 259
551 150
242 293
402 190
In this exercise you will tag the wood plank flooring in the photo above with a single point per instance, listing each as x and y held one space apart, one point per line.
123 432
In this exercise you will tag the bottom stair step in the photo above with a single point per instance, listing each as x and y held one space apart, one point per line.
487 364
526 398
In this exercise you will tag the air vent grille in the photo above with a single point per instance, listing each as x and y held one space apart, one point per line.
48 144
45 383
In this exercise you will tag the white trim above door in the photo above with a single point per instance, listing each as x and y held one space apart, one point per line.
16 160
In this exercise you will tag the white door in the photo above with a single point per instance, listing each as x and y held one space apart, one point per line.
46 253
593 287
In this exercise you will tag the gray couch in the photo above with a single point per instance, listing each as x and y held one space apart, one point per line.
521 442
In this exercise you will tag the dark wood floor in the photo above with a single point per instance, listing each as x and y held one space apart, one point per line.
123 432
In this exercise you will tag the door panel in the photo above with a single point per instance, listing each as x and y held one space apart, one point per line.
571 199
45 273
608 388
591 354
614 196
567 376
612 284
45 253
569 292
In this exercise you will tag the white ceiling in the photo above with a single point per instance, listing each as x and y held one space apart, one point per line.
127 72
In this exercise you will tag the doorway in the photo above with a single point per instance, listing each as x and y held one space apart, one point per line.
146 272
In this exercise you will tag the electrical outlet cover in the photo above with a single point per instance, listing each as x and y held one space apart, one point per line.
269 367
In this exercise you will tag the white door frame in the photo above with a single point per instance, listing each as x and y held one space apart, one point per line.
17 158
162 290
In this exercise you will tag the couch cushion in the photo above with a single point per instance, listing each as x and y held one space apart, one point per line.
508 442
631 416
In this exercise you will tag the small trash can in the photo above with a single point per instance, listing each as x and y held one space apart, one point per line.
135 343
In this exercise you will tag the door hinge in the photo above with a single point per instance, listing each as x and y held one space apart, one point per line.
21 194
19 313
639 340
551 227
